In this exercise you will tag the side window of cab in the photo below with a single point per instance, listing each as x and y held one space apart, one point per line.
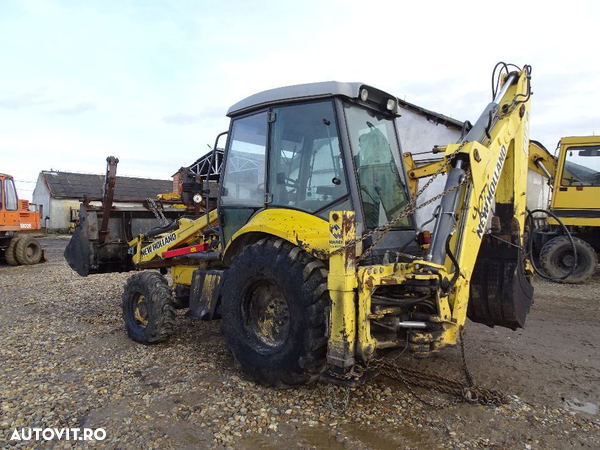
243 190
10 194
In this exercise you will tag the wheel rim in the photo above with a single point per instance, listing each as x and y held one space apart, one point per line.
567 260
30 250
564 261
267 316
140 311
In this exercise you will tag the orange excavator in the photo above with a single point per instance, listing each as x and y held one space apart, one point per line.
19 227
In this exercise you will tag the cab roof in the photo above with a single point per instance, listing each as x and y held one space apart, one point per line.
309 91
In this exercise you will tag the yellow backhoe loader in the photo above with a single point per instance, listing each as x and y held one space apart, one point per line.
311 257
568 240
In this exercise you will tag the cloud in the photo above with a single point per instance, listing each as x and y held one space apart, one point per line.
24 100
74 110
40 97
182 119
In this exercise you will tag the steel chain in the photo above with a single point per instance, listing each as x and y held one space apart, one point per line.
397 375
409 209
334 403
460 391
468 374
356 372
368 251
162 220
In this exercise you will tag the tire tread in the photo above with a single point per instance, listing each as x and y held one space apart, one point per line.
162 311
312 354
9 253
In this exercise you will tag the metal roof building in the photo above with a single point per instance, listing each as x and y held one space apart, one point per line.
58 194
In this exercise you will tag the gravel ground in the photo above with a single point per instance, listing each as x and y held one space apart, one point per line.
66 361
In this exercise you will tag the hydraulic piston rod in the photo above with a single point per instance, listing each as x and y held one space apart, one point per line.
446 216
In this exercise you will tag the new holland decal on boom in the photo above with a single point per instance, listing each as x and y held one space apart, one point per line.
488 196
159 244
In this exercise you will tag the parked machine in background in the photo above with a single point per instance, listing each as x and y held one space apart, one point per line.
574 176
312 258
19 227
73 217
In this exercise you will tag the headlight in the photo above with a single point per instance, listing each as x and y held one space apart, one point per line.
391 104
364 95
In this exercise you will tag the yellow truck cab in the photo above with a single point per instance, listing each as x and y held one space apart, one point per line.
575 175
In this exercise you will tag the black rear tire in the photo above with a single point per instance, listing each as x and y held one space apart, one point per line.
556 259
148 309
28 251
10 254
273 307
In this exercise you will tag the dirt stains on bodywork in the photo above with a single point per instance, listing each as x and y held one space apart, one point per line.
317 253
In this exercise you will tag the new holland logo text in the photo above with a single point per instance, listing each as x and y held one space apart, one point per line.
487 195
158 244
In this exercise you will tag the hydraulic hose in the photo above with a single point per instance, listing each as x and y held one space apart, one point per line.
530 219
158 230
454 262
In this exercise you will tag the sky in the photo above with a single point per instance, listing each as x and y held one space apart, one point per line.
150 81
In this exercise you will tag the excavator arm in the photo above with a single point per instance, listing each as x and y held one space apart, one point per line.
474 266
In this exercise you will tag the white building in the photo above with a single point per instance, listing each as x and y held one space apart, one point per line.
421 129
60 193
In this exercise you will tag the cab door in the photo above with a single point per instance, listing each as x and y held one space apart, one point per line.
9 214
577 191
306 168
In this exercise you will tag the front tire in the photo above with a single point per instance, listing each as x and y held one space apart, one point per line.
556 258
28 251
273 308
148 309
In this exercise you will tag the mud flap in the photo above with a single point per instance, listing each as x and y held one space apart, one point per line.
500 292
205 294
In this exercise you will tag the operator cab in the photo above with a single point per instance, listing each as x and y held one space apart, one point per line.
316 148
8 194
577 179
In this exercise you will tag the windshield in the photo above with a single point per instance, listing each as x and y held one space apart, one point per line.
582 166
377 160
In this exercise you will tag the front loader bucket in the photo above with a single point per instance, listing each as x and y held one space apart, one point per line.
78 250
500 292
90 252
86 253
